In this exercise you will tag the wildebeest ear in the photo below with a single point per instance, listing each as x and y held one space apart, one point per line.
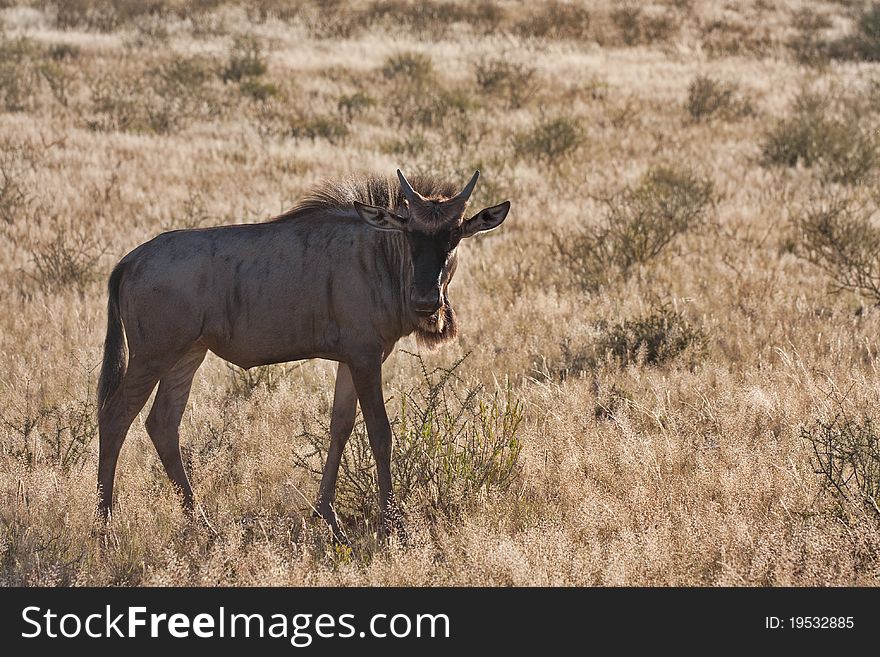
485 219
380 217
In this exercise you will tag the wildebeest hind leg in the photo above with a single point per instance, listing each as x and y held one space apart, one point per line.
114 420
341 425
163 422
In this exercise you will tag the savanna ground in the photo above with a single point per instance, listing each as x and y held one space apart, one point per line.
667 369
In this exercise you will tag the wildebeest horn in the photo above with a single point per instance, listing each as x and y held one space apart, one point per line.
465 194
408 191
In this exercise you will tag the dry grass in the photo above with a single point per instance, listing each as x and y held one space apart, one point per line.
705 417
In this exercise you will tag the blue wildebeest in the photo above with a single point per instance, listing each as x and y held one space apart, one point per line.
344 275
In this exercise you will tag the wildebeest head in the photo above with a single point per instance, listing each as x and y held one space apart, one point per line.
433 227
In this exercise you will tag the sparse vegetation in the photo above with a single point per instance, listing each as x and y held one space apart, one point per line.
512 82
453 444
59 435
556 20
841 145
687 280
708 98
638 225
864 42
808 44
840 237
246 60
846 457
638 26
651 339
67 260
550 140
410 68
244 383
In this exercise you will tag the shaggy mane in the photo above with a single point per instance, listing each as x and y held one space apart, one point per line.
371 190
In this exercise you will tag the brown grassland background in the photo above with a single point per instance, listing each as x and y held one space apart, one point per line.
667 368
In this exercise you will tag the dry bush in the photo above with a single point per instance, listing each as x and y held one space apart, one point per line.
655 338
64 52
247 59
514 83
837 143
417 98
636 26
453 445
864 43
709 98
163 99
245 382
409 68
15 197
841 238
638 225
353 106
19 76
69 260
58 434
550 140
556 20
258 90
808 45
431 16
846 456
652 339
334 129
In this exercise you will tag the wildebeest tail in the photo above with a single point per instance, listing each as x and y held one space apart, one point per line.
114 365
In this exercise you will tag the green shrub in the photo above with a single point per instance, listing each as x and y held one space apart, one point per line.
434 107
453 444
814 136
639 224
162 100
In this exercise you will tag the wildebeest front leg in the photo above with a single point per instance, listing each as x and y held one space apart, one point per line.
368 384
341 425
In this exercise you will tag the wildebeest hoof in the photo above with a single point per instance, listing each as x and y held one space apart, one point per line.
336 534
